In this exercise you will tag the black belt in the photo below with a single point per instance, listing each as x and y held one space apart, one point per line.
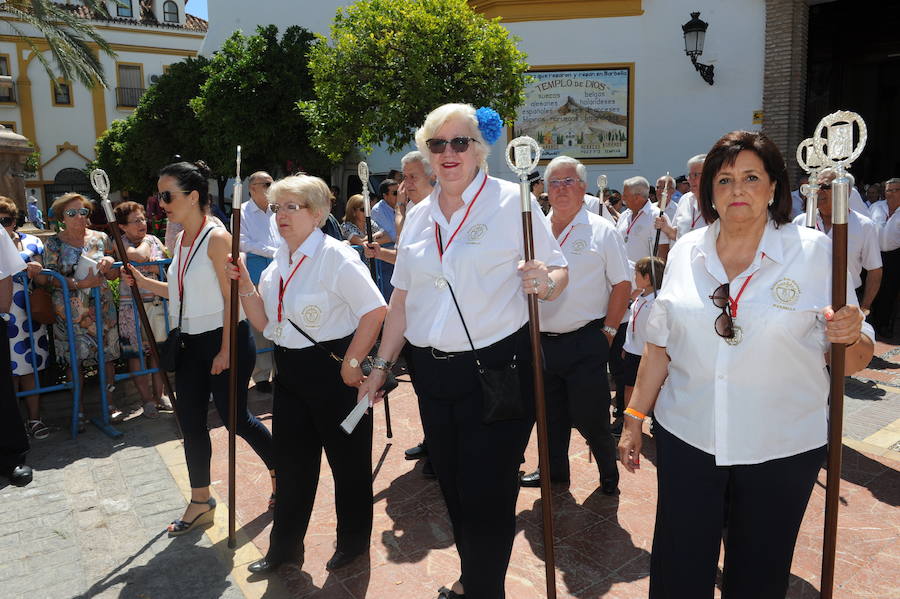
598 323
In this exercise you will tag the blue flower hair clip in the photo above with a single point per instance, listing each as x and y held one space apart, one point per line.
489 123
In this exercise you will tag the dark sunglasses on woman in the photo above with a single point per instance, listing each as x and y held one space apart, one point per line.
79 211
165 197
6 220
459 144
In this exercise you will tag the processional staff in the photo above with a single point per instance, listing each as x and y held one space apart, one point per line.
100 183
363 171
526 155
809 160
834 146
234 317
601 186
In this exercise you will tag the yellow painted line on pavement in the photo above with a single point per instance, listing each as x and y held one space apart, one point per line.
246 552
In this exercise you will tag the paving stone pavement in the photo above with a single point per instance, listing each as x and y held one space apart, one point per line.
91 524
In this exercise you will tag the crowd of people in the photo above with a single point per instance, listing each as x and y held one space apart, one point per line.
701 303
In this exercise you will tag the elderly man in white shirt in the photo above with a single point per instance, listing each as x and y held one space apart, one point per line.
688 216
862 242
259 240
574 336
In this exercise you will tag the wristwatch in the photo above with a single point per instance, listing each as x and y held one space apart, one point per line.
354 363
382 364
610 330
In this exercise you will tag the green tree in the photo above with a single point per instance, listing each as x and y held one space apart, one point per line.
390 62
162 126
68 36
249 99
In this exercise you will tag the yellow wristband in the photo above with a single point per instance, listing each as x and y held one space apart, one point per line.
635 414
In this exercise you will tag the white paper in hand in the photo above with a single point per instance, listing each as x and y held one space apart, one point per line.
85 267
355 415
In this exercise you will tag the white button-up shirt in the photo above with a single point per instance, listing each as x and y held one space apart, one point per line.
259 233
10 260
326 297
863 251
480 263
889 235
764 398
639 239
385 216
639 315
687 215
596 256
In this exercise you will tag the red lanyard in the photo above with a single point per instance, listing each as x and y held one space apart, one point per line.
181 271
437 227
636 314
734 301
694 219
569 232
634 219
282 285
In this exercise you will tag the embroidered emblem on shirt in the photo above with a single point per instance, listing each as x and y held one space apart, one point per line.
477 233
786 291
311 315
579 246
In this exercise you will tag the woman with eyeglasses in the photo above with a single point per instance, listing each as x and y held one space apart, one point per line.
321 309
739 334
460 301
26 359
199 291
141 247
75 244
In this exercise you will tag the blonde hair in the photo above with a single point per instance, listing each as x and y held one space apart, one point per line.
312 191
7 205
438 117
353 203
57 207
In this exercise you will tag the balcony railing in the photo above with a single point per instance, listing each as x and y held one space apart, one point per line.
128 97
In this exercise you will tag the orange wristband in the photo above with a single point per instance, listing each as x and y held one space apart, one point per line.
635 414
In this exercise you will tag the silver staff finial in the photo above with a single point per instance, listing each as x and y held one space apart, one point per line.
100 183
522 156
834 145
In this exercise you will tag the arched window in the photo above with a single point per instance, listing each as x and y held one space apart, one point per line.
170 12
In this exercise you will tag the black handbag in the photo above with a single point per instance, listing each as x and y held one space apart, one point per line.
170 349
390 381
500 387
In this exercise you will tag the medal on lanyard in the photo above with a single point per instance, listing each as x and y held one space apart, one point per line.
634 219
733 306
440 282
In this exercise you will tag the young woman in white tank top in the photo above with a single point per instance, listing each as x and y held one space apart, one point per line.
203 366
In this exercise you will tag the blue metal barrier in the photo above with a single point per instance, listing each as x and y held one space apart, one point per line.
75 383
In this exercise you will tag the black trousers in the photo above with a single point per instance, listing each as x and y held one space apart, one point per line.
13 439
311 401
882 316
577 394
477 464
765 505
194 383
617 369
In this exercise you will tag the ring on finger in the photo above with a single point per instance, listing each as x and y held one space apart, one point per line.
535 283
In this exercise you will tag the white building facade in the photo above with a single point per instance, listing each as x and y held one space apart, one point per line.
64 118
674 113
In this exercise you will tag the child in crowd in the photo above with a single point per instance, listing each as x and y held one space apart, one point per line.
648 275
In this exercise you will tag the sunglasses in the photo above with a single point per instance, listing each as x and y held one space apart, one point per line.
166 196
266 184
77 211
567 182
291 207
724 323
459 144
7 220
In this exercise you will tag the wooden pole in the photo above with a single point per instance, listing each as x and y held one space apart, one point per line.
233 318
840 191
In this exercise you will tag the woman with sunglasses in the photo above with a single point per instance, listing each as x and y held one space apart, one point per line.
74 244
739 334
25 357
203 366
460 296
320 307
141 247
